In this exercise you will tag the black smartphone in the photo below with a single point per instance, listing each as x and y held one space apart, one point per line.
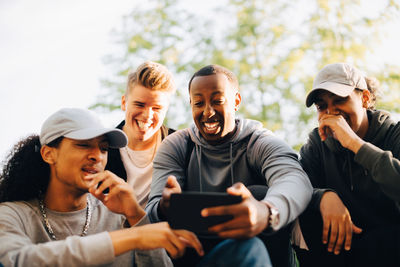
185 210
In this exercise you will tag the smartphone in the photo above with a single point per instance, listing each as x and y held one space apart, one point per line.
185 210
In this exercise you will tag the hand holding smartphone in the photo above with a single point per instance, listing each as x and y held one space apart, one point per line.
185 210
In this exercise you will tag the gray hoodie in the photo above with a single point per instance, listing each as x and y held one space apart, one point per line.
253 155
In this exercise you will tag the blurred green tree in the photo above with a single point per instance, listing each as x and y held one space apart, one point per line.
275 48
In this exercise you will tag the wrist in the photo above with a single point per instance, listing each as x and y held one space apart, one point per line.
273 216
136 216
124 240
355 145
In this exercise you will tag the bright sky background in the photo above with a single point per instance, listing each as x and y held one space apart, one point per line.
51 57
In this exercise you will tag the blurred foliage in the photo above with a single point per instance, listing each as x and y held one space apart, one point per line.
274 47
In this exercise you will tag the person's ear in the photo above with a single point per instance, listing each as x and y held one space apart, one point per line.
48 154
123 102
238 100
366 97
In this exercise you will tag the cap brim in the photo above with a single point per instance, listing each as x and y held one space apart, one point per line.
116 137
339 89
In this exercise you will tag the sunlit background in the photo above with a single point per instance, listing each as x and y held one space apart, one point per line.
73 53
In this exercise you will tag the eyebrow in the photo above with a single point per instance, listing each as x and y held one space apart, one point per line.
213 94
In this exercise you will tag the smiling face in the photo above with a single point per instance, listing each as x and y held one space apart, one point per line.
214 101
352 108
145 111
72 160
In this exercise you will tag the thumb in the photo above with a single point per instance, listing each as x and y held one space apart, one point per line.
238 189
173 183
356 229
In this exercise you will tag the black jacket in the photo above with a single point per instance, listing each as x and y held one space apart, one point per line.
368 182
114 162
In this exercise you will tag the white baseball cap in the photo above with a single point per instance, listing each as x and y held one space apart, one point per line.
79 124
338 78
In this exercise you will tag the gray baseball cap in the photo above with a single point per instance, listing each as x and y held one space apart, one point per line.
338 78
79 124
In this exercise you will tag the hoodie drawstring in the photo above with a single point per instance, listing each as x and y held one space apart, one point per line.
231 159
350 171
198 152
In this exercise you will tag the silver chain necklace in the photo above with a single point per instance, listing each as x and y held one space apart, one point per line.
47 225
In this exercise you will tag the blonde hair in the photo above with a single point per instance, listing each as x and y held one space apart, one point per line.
153 76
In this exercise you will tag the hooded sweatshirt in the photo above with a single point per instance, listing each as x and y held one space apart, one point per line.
368 182
253 156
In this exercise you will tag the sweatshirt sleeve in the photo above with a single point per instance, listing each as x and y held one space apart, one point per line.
170 160
289 190
383 166
17 249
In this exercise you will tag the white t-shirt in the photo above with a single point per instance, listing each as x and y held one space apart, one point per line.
139 170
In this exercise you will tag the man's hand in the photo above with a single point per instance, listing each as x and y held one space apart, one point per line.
153 236
336 219
250 217
158 235
120 199
172 186
338 127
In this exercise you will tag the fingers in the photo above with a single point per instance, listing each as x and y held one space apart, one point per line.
172 183
249 219
349 236
171 186
105 178
356 229
342 234
221 210
176 241
338 227
239 189
233 229
102 181
175 247
190 239
333 236
323 132
325 231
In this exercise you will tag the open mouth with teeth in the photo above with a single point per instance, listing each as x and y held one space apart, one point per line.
88 171
143 126
211 127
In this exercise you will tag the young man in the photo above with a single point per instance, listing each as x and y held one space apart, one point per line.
352 160
47 216
145 102
223 153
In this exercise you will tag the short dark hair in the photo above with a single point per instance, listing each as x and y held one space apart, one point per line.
25 174
214 69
